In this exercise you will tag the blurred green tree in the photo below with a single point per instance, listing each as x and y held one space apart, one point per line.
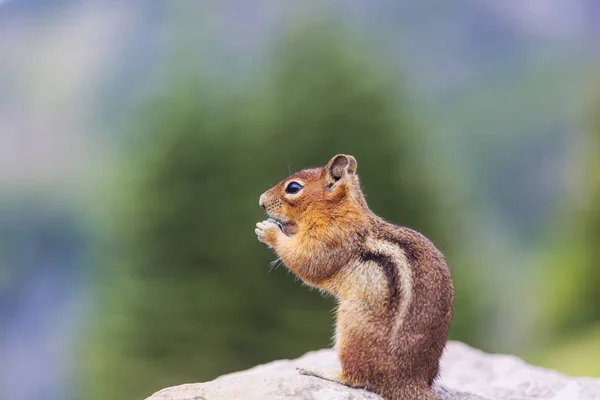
572 302
589 223
190 297
569 288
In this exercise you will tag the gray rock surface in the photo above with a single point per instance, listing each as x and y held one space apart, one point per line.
466 374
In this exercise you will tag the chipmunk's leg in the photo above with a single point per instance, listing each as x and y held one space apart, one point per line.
331 375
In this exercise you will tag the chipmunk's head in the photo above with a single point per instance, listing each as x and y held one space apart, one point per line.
315 197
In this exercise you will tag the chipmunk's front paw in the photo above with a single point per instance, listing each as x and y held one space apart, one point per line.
267 231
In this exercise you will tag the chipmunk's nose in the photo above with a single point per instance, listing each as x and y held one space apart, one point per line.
261 200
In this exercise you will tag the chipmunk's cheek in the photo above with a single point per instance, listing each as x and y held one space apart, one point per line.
290 228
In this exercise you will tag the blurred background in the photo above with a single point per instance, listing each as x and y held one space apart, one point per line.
136 137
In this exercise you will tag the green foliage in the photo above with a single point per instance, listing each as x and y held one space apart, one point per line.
590 222
571 295
576 355
190 296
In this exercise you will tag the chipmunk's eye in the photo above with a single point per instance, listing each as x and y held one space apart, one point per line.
293 187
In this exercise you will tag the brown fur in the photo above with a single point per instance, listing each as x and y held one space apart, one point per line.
394 289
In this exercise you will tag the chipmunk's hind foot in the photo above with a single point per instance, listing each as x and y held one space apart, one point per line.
330 375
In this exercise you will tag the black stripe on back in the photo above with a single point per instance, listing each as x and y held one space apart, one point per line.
387 264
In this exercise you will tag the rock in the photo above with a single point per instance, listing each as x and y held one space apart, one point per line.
466 374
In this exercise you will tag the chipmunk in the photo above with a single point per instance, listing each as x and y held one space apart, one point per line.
394 290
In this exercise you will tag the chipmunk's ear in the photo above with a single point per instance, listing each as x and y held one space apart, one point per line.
340 166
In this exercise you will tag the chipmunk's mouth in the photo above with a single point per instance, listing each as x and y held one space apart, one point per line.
288 227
